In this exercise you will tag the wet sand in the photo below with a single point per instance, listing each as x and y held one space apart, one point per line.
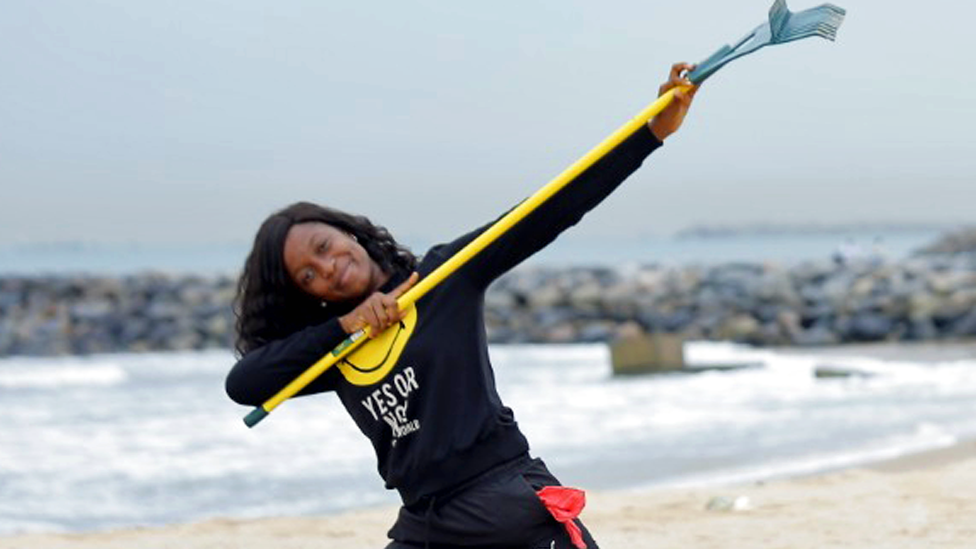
920 501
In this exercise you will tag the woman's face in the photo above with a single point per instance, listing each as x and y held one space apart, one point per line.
329 264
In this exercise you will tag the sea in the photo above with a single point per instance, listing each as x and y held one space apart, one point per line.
100 442
125 440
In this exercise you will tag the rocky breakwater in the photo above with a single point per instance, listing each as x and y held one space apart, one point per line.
83 315
930 296
819 303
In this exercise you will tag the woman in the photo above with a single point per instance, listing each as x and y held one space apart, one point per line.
427 401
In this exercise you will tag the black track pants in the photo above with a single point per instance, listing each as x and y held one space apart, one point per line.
498 510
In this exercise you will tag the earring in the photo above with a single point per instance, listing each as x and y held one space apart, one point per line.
324 303
354 239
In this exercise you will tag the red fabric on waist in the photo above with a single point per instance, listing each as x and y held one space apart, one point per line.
565 504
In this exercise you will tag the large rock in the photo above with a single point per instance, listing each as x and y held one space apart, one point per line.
586 297
827 371
965 326
635 352
923 306
869 327
817 335
743 328
545 296
921 330
948 282
956 242
596 332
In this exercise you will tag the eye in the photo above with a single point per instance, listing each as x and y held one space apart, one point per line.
307 276
322 247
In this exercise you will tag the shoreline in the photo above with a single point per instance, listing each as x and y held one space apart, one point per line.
911 351
899 502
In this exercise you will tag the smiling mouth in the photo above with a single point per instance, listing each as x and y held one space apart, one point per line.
344 275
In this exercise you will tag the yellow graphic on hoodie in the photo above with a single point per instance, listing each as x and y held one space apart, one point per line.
372 361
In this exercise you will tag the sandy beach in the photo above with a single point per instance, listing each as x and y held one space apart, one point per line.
923 500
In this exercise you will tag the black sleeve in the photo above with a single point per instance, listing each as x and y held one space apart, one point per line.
561 211
261 373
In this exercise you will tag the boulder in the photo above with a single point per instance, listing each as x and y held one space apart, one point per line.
826 371
921 330
741 327
638 352
596 332
965 326
869 327
817 335
960 241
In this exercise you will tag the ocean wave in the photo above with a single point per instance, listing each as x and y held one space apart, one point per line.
22 527
48 377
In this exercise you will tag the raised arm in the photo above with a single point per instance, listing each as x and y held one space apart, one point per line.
570 204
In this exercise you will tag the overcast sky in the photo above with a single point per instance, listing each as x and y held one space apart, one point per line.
179 121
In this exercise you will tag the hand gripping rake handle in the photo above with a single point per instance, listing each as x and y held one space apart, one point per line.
464 254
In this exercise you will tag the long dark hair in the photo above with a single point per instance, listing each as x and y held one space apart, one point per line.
269 305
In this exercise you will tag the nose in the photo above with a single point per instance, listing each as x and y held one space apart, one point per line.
326 266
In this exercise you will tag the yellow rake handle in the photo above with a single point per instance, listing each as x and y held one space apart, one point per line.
461 257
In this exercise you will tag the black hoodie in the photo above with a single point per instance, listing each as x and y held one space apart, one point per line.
435 418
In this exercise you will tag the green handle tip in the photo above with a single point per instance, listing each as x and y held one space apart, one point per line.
255 416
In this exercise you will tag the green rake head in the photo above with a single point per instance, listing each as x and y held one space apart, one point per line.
783 26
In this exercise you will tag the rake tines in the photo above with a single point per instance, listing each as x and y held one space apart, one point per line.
822 21
783 26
